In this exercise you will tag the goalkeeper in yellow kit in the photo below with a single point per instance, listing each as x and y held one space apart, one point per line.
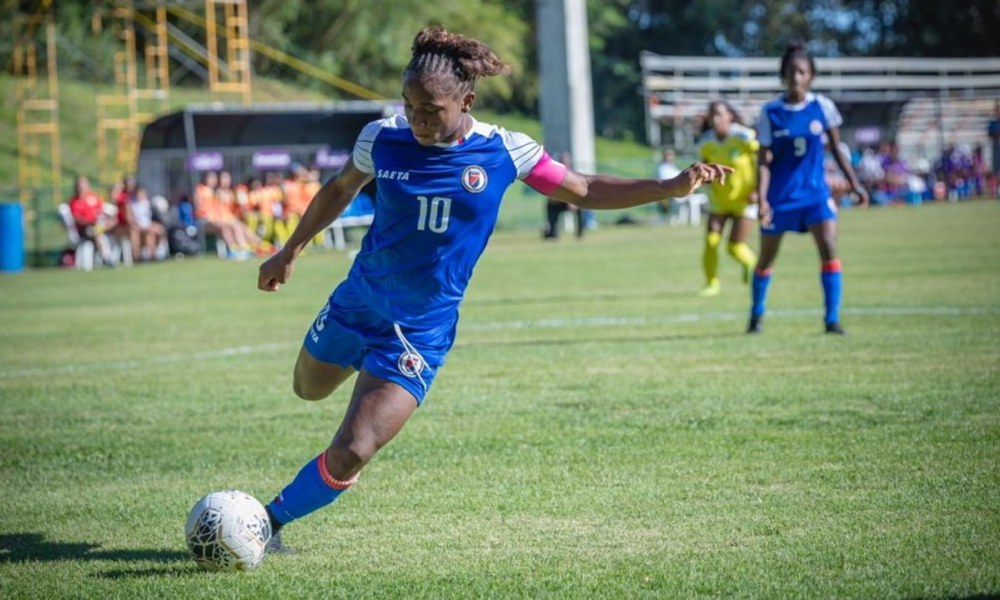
725 140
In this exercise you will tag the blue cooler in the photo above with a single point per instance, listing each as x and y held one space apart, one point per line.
11 238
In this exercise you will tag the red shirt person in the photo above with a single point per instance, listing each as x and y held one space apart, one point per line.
87 208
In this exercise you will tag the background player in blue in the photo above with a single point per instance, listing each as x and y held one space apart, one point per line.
791 186
441 175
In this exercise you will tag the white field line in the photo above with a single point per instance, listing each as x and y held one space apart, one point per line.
555 323
124 365
552 323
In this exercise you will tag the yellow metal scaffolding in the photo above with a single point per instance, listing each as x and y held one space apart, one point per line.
122 114
37 100
142 83
235 32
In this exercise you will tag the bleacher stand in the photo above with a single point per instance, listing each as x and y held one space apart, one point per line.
934 113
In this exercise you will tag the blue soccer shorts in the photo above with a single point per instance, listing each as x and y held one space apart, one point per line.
798 220
348 333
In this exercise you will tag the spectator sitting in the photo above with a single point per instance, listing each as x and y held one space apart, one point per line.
217 219
124 228
896 173
258 214
993 130
89 215
979 172
276 197
954 168
148 233
870 170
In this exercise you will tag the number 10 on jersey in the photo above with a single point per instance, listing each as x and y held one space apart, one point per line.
434 214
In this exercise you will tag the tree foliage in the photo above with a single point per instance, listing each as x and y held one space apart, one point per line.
368 41
371 47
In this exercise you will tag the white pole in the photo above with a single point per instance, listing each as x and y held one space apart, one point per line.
566 101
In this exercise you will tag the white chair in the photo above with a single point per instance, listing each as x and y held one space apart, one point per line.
121 251
83 250
687 210
336 228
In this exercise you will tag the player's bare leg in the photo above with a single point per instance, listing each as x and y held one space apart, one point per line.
825 234
378 411
769 245
315 379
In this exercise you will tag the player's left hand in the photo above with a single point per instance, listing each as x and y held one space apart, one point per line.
860 195
698 174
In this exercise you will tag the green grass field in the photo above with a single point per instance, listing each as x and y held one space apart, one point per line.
598 430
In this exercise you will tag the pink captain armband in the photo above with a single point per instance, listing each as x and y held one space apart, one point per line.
546 175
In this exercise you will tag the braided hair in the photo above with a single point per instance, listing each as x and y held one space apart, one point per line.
442 55
796 50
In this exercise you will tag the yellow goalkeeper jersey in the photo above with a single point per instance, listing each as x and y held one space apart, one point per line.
739 151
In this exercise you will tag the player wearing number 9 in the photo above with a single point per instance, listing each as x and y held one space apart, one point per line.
441 176
791 186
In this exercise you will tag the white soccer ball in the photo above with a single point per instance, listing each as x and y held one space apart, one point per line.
228 531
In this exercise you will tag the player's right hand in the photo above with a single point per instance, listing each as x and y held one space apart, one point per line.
274 272
764 212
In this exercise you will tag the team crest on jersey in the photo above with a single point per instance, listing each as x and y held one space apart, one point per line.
815 127
410 364
474 179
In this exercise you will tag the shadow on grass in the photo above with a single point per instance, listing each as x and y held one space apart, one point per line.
988 596
33 547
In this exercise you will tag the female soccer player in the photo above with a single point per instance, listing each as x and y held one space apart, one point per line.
727 142
441 175
791 188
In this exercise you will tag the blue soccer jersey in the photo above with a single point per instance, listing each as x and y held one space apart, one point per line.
435 209
796 134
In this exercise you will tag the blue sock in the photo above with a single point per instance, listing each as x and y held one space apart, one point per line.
761 279
312 489
831 279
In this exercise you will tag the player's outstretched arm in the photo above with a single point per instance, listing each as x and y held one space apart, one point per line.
325 207
764 158
607 192
857 190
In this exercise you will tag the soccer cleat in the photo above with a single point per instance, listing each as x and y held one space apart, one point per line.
712 289
755 324
276 546
747 274
835 328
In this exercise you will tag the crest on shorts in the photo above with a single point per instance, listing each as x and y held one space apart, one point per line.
474 179
815 127
410 364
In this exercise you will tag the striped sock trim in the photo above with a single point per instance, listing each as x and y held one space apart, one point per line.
763 272
832 266
330 480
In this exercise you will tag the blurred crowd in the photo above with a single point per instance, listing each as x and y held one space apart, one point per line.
959 172
239 220
254 217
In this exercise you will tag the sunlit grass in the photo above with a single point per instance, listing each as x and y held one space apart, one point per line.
598 430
